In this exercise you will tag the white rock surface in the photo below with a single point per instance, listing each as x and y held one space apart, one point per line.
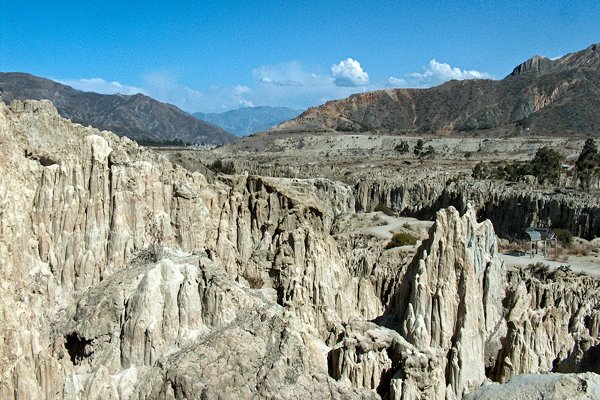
125 277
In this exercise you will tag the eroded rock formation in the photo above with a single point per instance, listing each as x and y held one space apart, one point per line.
459 318
123 276
511 209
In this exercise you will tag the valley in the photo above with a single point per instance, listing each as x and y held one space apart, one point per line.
344 254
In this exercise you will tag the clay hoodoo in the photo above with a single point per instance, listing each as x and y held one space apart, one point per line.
124 276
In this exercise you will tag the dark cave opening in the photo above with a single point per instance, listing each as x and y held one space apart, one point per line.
76 346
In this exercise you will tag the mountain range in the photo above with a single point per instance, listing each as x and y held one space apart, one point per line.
540 96
247 120
138 117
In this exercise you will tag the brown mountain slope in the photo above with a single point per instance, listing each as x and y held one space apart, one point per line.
138 117
542 96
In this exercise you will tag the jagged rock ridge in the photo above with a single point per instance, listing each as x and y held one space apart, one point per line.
125 276
511 209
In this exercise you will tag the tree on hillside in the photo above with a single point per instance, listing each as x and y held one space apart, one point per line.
478 171
429 151
421 152
221 167
402 148
588 164
546 165
418 150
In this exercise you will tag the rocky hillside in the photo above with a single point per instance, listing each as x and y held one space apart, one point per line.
510 208
138 117
247 120
541 96
124 276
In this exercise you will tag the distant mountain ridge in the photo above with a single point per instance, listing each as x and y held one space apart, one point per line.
540 96
138 116
539 65
247 120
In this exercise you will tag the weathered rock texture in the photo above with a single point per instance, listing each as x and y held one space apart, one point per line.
512 209
459 318
79 204
539 387
123 276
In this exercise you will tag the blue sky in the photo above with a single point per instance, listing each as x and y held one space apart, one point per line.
213 56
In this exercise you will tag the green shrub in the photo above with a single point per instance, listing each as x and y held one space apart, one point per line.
384 209
401 239
219 166
478 171
588 164
402 148
565 268
546 165
564 236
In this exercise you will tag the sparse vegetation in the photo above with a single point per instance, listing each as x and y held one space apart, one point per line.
588 164
478 171
161 143
580 249
546 165
384 209
422 152
565 268
401 239
220 167
402 148
564 237
154 231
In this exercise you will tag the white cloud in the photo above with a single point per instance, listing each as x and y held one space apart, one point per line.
287 84
241 89
165 87
438 72
286 74
396 81
100 85
349 73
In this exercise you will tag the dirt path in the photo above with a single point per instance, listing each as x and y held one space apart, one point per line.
588 265
394 224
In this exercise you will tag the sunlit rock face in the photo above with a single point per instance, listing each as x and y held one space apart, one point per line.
512 209
123 276
459 319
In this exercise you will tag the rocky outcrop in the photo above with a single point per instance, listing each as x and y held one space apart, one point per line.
552 321
78 206
123 276
535 64
544 386
456 312
588 58
449 306
183 328
511 208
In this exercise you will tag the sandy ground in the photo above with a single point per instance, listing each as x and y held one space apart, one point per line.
391 225
384 226
588 265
